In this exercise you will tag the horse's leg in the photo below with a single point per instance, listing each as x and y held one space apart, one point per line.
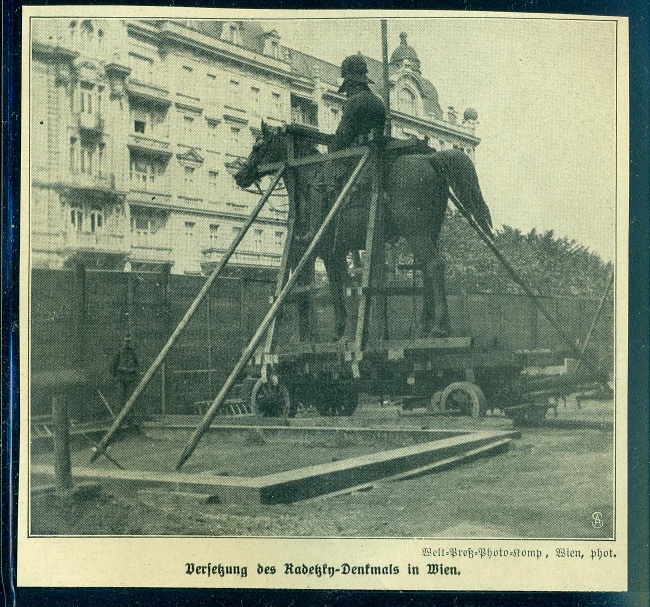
304 302
336 268
441 326
418 201
435 313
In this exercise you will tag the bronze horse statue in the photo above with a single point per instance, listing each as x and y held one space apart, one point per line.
417 187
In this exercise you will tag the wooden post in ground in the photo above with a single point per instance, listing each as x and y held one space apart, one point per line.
62 464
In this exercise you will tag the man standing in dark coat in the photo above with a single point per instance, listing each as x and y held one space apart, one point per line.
125 368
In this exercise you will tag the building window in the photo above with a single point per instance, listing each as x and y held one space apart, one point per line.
96 218
76 217
211 87
276 98
86 30
86 98
231 33
407 101
212 181
145 172
147 121
188 129
232 95
303 111
335 117
279 239
275 49
212 134
255 101
189 236
214 234
86 158
141 225
100 91
258 240
73 155
235 138
189 180
101 158
145 222
73 31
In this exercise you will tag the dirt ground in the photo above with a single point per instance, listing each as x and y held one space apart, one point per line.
546 486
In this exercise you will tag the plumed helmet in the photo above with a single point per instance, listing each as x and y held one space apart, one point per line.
354 69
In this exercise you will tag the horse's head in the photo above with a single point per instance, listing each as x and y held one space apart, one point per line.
269 147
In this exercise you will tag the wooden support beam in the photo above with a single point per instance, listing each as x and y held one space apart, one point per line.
62 462
186 318
355 152
487 239
374 241
433 453
289 245
271 314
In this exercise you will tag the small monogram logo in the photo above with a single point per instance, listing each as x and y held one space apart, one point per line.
597 520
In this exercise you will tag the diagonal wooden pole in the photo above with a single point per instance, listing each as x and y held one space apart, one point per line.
594 322
388 129
570 342
101 447
270 315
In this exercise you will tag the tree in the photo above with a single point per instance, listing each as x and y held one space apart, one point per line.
550 265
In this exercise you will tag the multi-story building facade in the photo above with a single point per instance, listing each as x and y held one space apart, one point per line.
137 126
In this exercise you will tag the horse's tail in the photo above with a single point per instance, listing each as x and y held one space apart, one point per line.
461 173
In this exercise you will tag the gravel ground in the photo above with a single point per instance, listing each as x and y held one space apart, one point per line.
546 486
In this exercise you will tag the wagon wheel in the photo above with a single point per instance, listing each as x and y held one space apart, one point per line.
271 400
336 399
464 396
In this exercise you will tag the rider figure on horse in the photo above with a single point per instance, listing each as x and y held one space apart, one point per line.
363 112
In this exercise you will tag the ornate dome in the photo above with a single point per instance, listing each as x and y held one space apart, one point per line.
470 115
404 52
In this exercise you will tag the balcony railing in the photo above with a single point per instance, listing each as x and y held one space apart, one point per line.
213 256
300 118
148 91
101 241
91 122
84 181
159 146
156 192
151 247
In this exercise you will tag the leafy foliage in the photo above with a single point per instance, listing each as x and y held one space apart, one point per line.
549 265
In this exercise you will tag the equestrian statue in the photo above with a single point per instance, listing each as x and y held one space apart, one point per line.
416 189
